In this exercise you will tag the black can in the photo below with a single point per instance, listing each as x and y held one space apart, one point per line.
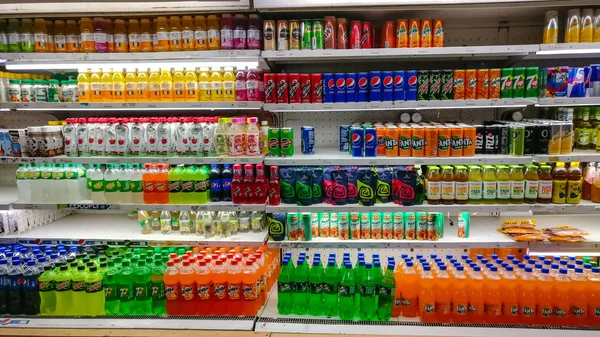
479 139
502 145
435 85
490 139
542 137
530 139
423 85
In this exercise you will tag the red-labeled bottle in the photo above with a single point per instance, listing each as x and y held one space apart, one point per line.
248 187
274 191
260 183
237 185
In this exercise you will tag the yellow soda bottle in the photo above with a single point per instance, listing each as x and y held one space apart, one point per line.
179 85
118 86
573 29
154 85
216 85
166 85
191 85
107 85
143 85
96 86
83 85
204 85
587 26
551 28
229 85
131 85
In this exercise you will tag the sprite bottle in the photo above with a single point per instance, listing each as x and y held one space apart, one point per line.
368 298
300 293
315 280
346 293
385 296
285 288
331 284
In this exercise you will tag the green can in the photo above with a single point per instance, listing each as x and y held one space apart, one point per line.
518 83
355 225
464 224
543 79
517 140
439 224
317 34
286 142
305 35
421 218
273 140
304 233
506 83
447 85
291 222
531 82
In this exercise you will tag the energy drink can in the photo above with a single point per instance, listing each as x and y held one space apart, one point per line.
344 138
464 224
410 225
344 226
530 140
355 225
501 141
307 140
554 143
292 226
435 85
542 137
423 80
517 140
479 139
447 85
398 225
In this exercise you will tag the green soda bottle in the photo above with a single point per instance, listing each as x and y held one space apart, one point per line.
359 274
385 297
80 303
201 185
94 292
315 280
141 285
300 293
368 298
285 288
64 293
331 284
187 185
157 286
47 291
175 184
125 289
346 293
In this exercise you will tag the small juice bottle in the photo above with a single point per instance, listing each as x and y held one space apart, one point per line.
503 183
40 36
50 27
475 184
134 36
574 183
154 34
434 185
229 85
490 187
204 85
559 184
226 32
154 85
187 33
178 85
175 43
546 184
26 40
131 89
143 85
216 85
107 85
60 37
87 36
96 86
73 35
120 34
517 184
252 137
200 37
110 35
119 86
532 181
100 42
14 35
461 185
213 33
448 186
83 85
166 85
163 34
145 36
191 85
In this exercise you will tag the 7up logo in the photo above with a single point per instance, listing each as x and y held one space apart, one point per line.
531 82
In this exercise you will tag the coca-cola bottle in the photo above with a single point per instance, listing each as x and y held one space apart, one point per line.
248 191
241 93
274 190
237 185
252 85
260 185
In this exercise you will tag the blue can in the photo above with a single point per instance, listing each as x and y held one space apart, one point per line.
370 142
399 90
375 86
576 82
595 80
358 142
329 83
587 73
344 138
351 88
340 87
307 140
387 77
363 87
410 77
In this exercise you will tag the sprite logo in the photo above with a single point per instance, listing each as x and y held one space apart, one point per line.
472 82
532 81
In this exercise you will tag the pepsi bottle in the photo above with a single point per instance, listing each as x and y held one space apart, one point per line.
15 281
31 295
3 286
226 177
216 192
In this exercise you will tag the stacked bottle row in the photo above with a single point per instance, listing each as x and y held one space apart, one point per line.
146 35
580 26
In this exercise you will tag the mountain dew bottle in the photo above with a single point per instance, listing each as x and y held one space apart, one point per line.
94 292
201 185
331 284
47 292
315 281
187 185
346 293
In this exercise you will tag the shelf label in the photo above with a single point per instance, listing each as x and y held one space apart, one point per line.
242 104
94 207
470 50
469 102
374 51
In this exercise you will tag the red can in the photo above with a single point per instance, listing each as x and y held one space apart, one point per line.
342 33
282 88
316 81
365 40
388 35
306 88
270 90
294 88
355 35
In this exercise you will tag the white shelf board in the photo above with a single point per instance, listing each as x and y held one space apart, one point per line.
331 156
88 205
8 195
130 160
566 51
576 155
118 228
391 207
567 101
149 106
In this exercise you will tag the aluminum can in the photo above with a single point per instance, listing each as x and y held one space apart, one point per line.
438 33
305 35
388 35
307 139
414 33
342 34
329 32
340 87
506 83
402 34
370 142
495 83
282 81
270 88
294 88
283 35
329 83
458 91
270 43
412 85
351 88
426 34
344 138
435 85
375 86
387 79
305 88
316 81
447 85
317 34
518 90
365 38
483 83
423 85
294 34
363 87
357 141
399 85
355 34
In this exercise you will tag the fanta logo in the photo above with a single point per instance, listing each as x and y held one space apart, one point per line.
350 83
467 142
461 309
375 82
340 83
388 81
398 81
390 143
331 84
356 139
369 139
495 82
514 310
547 312
429 308
412 81
404 143
443 143
527 311
578 311
472 82
363 82
560 312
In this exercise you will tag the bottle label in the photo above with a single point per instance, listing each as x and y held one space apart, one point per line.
110 186
503 190
145 37
462 190
93 287
510 309
574 191
174 186
157 290
44 286
200 37
253 144
203 292
346 290
233 291
124 186
63 285
229 88
97 185
221 144
316 288
126 293
250 291
134 40
213 36
119 89
78 285
166 87
442 307
60 42
559 191
517 189
475 190
175 37
284 287
187 36
172 291
136 186
531 189
41 39
163 36
131 89
219 291
448 190
187 186
434 190
489 190
545 189
236 145
301 287
187 292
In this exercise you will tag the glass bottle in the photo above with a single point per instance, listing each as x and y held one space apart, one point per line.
448 185
545 184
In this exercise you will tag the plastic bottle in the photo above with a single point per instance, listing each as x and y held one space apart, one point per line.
162 184
175 196
203 280
175 40
14 35
124 184
60 37
134 36
226 31
163 31
26 40
252 137
3 36
385 296
83 85
165 222
157 286
141 288
45 286
239 32
347 293
201 185
172 289
80 301
285 288
64 293
559 183
179 81
200 35
300 294
216 85
528 297
216 191
119 89
191 86
166 85
131 89
187 185
111 188
111 300
219 291
40 35
187 33
121 36
100 41
149 182
110 36
493 302
254 32
127 305
204 85
94 292
237 137
214 33
315 284
154 90
30 292
229 81
107 86
136 183
574 183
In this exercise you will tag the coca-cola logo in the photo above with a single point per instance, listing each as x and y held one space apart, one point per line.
269 87
306 89
281 88
366 35
294 85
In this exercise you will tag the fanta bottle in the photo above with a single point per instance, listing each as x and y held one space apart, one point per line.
166 85
191 85
229 84
476 296
131 89
443 303
594 297
179 85
427 296
204 85
545 293
459 295
399 278
118 86
510 297
493 301
143 93
410 291
187 281
579 293
96 86
203 285
154 85
219 288
172 289
216 85
527 297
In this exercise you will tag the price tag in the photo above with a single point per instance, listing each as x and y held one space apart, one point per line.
511 208
469 102
327 162
280 53
372 162
151 105
244 160
419 161
374 51
470 50
242 104
373 105
422 51
107 106
327 106
328 53
421 103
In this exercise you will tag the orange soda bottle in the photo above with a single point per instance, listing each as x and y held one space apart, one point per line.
544 297
594 298
510 298
427 296
493 301
443 302
459 296
476 296
219 288
250 289
234 288
398 277
410 291
527 297
172 288
579 298
162 184
203 286
188 289
149 180
562 300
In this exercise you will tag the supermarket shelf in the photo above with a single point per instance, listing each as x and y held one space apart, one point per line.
577 155
330 156
128 160
566 51
391 207
117 229
88 205
8 195
565 101
150 106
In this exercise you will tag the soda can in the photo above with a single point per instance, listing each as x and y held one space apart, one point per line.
376 225
398 226
576 82
334 224
294 35
517 140
456 145
587 71
399 85
518 90
314 226
269 35
283 35
370 142
438 33
375 86
447 85
304 226
531 82
365 225
340 88
329 32
363 87
410 225
426 35
292 220
344 138
431 231
329 82
306 89
411 86
414 33
381 134
483 83
418 141
270 85
459 84
305 35
495 83
560 81
273 139
554 143
317 34
324 224
595 78
307 140
423 85
444 141
401 33
470 84
387 77
351 88
355 34
479 138
529 143
468 141
286 141
542 137
464 224
435 85
431 141
421 225
365 38
342 34
490 139
358 142
282 88
294 88
354 225
388 35
566 138
391 141
506 83
316 82
404 137
502 140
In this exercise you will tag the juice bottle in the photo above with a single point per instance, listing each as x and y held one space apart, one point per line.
559 183
546 184
26 41
236 136
107 85
14 33
60 37
172 289
475 184
252 137
595 193
448 186
87 36
118 86
163 31
588 181
100 42
229 85
134 35
240 37
574 183
83 85
216 85
179 85
154 85
145 36
490 188
254 32
517 184
528 297
110 35
143 92
562 298
73 35
40 36
96 86
214 33
545 297
175 43
187 33
503 184
434 185
226 31
166 85
531 184
200 35
191 85
461 185
50 27
154 34
120 36
204 85
510 296
131 89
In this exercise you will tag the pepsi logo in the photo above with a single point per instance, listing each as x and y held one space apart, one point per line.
363 82
369 139
412 81
388 81
356 139
331 84
375 82
340 83
350 83
398 81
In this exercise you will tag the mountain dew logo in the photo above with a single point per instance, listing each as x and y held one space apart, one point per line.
404 143
418 143
365 191
472 82
444 143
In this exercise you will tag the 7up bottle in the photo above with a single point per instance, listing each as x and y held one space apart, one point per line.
125 290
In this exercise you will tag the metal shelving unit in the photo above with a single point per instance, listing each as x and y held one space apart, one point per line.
132 160
150 106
